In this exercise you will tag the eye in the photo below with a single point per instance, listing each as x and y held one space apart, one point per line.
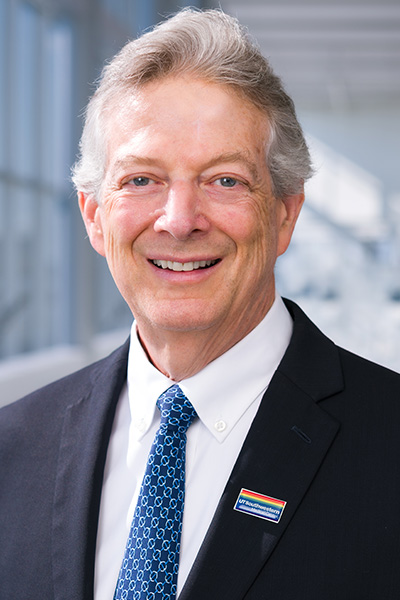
228 182
141 181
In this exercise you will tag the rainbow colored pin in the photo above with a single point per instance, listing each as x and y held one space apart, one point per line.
259 505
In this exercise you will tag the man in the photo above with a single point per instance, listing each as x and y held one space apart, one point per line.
190 182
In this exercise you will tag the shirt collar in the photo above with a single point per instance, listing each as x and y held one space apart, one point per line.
222 391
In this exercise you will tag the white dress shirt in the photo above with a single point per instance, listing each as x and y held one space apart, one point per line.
226 395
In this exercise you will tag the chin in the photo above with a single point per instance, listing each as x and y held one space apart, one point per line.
181 315
182 318
183 324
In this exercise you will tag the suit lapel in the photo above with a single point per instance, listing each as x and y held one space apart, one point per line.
82 453
283 451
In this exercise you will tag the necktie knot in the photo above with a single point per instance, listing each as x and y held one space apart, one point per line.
177 413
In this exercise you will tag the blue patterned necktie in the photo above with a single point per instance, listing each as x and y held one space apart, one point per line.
150 566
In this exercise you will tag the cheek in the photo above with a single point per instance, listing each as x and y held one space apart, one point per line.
261 244
123 224
117 243
252 226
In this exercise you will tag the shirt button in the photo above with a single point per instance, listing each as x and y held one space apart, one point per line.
220 426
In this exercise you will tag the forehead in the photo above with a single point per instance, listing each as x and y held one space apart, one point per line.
183 110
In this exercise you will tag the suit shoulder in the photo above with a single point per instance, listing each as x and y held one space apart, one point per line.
366 369
369 379
322 369
47 401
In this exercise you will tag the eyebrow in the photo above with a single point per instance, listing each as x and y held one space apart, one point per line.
225 157
133 158
234 157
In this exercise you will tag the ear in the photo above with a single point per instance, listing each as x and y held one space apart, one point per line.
288 212
91 215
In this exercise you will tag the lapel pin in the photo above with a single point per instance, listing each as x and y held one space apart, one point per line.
258 505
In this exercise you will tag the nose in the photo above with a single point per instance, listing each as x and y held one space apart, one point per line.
182 214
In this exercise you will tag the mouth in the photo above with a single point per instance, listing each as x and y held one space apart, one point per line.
186 266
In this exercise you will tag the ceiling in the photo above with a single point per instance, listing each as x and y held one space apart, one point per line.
339 55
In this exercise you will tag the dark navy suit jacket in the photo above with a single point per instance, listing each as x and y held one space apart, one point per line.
326 440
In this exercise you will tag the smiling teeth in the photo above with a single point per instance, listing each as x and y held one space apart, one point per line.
187 266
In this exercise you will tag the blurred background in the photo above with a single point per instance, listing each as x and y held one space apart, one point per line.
339 60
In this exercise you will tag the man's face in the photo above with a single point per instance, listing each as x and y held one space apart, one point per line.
187 220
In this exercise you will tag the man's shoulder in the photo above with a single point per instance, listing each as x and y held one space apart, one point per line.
47 401
319 356
372 377
73 408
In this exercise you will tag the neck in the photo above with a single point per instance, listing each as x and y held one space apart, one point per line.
181 354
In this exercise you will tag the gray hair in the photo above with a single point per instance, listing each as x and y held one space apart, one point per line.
212 46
